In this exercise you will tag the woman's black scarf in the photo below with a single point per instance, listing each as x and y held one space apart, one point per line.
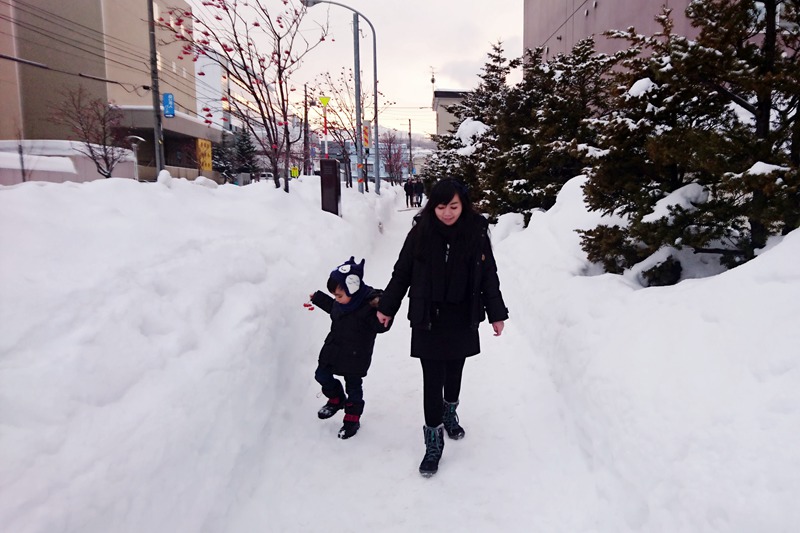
448 253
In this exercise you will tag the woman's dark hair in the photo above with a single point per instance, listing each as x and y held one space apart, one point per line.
441 193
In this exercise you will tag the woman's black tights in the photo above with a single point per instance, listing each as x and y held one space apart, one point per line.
440 380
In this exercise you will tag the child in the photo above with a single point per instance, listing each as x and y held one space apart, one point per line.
347 350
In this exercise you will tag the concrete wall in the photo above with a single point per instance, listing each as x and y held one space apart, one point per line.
127 31
54 34
11 119
559 24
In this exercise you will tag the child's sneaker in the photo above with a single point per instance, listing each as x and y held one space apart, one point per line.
350 426
330 408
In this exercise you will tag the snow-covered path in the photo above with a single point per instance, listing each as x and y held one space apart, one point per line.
518 468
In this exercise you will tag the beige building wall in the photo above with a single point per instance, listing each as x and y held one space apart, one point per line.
127 42
46 33
11 117
441 100
559 24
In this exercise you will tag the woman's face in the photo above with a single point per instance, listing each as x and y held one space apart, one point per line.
448 213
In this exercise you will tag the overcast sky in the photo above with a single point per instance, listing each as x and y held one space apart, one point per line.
452 37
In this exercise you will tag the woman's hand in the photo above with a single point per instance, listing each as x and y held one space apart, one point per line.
498 328
383 319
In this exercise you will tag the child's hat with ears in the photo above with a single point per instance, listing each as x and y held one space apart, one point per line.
348 275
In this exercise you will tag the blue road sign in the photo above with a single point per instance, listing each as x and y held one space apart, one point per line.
169 105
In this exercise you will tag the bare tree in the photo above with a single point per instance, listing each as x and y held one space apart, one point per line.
95 123
392 156
342 123
259 45
340 115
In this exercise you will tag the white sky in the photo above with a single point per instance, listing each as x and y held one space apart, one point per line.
156 375
413 36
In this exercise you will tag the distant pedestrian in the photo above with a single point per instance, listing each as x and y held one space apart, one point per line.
409 188
347 350
419 188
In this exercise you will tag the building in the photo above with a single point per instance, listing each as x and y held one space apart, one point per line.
557 25
102 46
441 100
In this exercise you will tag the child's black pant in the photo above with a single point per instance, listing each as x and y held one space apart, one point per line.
440 380
353 385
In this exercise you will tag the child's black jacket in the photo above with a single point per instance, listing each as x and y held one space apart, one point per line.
348 347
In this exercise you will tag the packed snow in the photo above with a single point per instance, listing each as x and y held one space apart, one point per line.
686 197
469 133
641 87
156 375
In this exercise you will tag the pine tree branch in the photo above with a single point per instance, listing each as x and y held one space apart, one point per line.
721 251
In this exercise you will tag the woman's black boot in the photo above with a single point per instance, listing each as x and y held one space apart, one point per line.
434 445
450 421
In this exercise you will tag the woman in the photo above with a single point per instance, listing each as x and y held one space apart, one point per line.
448 269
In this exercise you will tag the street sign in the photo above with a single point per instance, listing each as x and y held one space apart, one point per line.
169 105
204 161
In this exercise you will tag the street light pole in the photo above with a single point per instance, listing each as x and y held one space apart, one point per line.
376 164
135 140
363 179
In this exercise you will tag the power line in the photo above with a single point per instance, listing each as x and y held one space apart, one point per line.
79 74
103 40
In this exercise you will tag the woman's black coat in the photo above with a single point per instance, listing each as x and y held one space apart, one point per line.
348 347
411 274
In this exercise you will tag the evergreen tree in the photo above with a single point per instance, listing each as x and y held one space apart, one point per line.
549 114
223 158
486 101
447 162
748 52
477 167
245 150
678 152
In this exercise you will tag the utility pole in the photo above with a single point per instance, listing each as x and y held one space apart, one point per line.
158 132
410 160
21 160
306 154
362 178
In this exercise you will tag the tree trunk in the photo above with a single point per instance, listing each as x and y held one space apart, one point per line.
758 231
